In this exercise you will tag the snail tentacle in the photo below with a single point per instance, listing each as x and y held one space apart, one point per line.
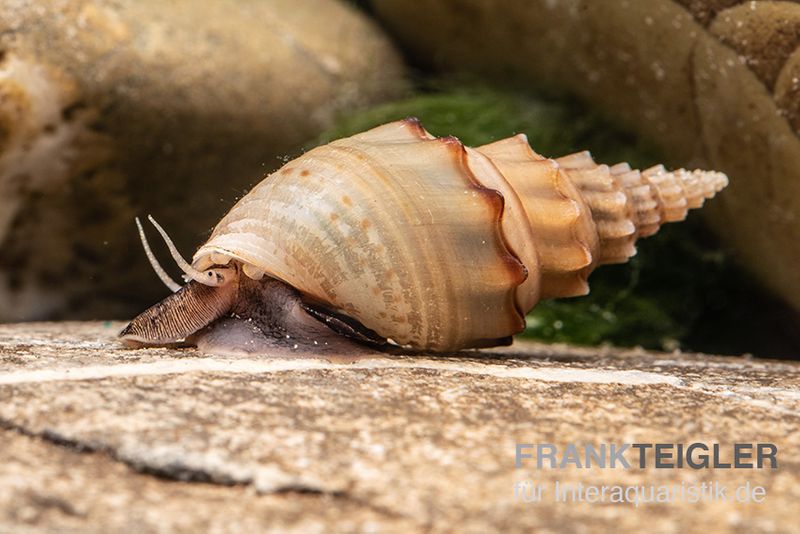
210 277
162 274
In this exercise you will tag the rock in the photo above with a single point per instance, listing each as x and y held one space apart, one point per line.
389 443
765 34
787 90
705 10
714 83
109 110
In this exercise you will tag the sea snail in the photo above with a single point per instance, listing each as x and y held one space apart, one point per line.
394 237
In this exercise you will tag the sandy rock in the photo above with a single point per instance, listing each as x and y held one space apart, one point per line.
95 436
705 10
108 110
714 83
787 90
765 34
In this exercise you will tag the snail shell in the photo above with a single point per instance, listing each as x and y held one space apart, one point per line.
437 246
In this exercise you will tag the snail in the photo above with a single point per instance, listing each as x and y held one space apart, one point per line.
396 238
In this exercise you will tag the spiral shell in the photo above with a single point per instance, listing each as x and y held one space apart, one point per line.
438 246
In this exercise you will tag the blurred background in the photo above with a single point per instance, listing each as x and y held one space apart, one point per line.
111 109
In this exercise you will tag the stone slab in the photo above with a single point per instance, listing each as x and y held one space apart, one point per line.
96 437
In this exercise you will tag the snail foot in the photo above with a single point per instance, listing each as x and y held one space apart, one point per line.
271 319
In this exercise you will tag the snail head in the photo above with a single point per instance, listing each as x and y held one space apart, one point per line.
214 277
206 296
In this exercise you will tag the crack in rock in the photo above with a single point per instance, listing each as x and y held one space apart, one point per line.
174 464
177 464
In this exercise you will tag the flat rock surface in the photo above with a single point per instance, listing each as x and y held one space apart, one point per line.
96 437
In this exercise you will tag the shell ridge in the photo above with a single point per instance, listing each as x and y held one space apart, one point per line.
559 187
573 281
497 165
609 204
554 210
508 255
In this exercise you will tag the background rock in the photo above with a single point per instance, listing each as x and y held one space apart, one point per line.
108 110
694 76
386 444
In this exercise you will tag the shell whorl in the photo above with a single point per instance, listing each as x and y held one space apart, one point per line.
438 246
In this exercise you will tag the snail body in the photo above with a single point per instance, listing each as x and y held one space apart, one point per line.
394 236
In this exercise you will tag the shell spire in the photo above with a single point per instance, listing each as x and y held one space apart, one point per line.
586 214
627 204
